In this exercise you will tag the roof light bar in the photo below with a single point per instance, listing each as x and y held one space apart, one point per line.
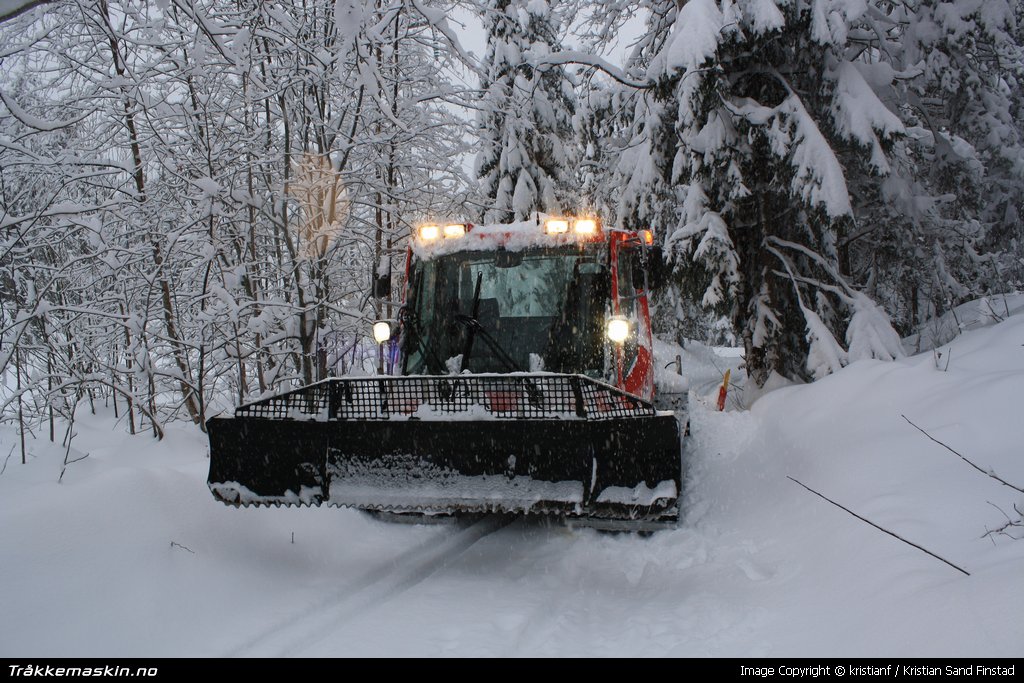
556 226
429 232
585 226
454 230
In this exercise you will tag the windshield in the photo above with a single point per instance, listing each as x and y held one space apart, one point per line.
540 309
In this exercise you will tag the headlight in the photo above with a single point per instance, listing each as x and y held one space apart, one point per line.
429 232
585 226
618 329
454 230
381 331
556 226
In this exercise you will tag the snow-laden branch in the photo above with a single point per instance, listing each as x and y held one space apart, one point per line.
586 59
438 20
34 121
12 8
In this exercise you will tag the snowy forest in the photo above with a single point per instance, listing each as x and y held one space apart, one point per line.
197 194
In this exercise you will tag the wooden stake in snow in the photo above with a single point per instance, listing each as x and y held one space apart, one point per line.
868 521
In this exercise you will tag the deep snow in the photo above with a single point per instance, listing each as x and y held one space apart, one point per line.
759 567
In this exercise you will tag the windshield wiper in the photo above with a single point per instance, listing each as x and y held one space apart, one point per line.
471 331
533 392
475 327
424 344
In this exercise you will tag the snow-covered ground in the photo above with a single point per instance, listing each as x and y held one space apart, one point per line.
130 555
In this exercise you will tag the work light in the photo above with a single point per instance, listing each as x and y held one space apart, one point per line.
556 226
585 226
381 331
618 329
454 230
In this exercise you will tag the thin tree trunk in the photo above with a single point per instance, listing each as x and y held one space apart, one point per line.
177 346
130 367
21 416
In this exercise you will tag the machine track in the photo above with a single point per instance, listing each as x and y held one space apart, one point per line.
308 628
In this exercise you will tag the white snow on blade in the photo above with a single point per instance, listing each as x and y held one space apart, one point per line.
475 412
323 414
233 491
100 564
518 493
640 495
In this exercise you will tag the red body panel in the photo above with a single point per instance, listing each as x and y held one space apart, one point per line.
634 374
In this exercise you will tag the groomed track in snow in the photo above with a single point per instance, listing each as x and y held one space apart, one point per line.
131 556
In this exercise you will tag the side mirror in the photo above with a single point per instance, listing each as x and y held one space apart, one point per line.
382 285
636 269
649 271
658 271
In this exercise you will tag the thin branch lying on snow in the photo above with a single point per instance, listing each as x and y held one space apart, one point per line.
4 468
987 473
1011 524
175 544
868 521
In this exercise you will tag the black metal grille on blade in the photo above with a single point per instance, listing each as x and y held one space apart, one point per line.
465 397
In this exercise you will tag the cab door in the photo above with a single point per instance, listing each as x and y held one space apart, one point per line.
634 367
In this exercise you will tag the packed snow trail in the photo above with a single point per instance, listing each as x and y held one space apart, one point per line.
308 628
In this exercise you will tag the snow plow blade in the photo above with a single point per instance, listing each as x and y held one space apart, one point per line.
551 444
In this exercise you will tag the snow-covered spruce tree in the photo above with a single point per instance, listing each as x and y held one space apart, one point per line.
629 137
945 226
972 82
527 161
748 106
639 126
591 122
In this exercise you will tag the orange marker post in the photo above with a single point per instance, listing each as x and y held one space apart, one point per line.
723 390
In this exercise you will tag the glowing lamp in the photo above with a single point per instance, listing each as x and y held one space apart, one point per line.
454 230
381 331
618 329
556 226
429 232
